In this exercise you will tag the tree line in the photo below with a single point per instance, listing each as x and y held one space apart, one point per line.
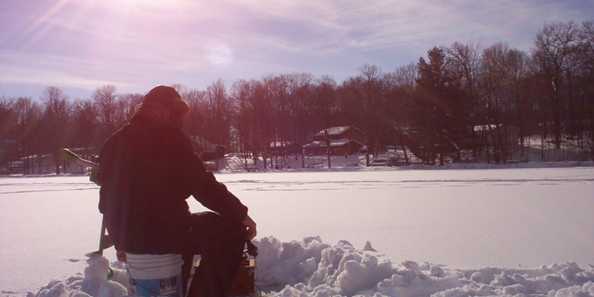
457 102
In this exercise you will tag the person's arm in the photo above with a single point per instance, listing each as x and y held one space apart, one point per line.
208 191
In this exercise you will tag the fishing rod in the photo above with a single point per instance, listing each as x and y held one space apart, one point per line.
104 240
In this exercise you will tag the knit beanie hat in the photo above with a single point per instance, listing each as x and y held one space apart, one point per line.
165 98
162 105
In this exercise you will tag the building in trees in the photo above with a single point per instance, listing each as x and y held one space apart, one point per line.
7 150
284 147
342 140
496 143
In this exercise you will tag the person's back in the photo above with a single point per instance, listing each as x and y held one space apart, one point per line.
144 191
147 170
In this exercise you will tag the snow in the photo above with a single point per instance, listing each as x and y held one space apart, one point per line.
332 131
466 219
357 162
94 283
295 163
311 267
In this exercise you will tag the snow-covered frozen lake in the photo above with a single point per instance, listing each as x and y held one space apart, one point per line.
461 218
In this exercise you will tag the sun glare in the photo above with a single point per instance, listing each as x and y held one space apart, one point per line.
150 4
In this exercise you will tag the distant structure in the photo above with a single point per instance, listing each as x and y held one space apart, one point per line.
341 140
496 142
210 153
6 146
201 144
55 163
284 147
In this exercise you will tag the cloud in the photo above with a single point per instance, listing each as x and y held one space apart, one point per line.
21 68
381 24
54 78
139 42
219 54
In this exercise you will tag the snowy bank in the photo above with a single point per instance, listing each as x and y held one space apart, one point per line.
313 268
233 163
518 165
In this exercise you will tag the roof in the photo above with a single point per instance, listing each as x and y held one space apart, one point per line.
281 143
333 143
488 127
334 130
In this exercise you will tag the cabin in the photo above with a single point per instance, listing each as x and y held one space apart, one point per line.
340 140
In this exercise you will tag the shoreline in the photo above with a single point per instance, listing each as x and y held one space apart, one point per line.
450 166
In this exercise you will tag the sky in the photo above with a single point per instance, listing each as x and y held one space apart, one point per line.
80 45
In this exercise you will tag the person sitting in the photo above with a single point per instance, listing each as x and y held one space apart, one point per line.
147 170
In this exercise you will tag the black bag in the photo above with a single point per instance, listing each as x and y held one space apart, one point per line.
244 283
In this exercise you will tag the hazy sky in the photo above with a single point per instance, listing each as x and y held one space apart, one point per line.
79 45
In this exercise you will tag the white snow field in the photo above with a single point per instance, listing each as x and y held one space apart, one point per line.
469 220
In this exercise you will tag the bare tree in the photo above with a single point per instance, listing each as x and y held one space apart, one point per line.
555 48
104 99
55 123
220 112
502 73
84 124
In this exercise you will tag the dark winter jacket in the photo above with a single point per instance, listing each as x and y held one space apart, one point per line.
147 171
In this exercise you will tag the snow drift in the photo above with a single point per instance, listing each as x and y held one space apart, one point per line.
311 267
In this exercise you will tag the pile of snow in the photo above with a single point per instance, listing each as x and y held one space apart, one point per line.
94 283
313 268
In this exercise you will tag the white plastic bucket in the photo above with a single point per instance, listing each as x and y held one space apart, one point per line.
155 275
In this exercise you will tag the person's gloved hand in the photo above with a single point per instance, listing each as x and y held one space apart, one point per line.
250 227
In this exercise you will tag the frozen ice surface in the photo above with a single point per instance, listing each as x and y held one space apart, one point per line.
466 219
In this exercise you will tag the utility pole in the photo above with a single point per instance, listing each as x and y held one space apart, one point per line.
302 157
328 147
